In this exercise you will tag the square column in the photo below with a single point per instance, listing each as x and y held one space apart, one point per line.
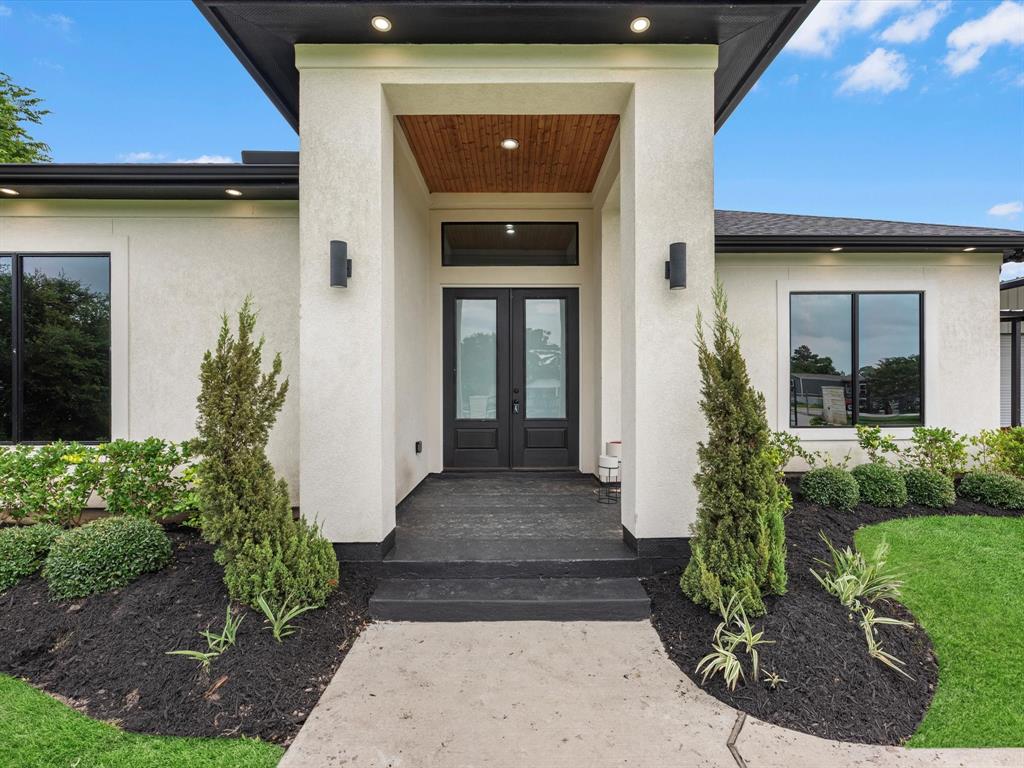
667 135
347 335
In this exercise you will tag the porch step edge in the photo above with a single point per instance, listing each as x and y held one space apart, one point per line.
518 599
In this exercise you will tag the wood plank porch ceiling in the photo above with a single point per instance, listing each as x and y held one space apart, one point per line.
463 153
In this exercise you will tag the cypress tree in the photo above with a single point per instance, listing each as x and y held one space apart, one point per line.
738 547
243 508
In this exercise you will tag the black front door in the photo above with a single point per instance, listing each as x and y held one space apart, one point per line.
511 384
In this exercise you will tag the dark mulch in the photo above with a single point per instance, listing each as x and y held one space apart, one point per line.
833 689
106 654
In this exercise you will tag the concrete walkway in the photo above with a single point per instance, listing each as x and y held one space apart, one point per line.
553 695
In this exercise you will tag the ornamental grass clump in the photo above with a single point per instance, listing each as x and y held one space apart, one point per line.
929 488
881 485
830 487
243 508
993 488
105 554
738 547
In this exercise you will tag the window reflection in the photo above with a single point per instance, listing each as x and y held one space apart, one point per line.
6 344
821 362
476 366
889 334
65 307
545 361
887 340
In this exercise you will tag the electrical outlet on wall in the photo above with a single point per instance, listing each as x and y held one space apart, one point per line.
419 446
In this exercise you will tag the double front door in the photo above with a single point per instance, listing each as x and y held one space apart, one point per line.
511 378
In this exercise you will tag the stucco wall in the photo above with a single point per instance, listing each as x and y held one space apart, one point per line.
175 268
961 335
413 350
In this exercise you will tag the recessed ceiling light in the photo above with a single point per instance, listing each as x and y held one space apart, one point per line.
968 250
9 191
381 23
640 24
509 144
836 249
233 192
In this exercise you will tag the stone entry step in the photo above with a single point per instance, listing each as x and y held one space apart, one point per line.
536 599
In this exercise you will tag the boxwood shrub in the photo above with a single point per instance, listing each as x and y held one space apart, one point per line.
929 488
996 489
831 487
881 485
23 550
104 554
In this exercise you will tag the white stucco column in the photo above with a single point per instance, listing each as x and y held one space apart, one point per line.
667 136
347 335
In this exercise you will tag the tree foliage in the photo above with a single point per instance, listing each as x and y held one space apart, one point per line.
804 360
20 105
738 547
243 508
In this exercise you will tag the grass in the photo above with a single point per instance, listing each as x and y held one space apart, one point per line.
965 584
37 731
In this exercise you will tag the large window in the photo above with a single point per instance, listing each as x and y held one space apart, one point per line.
856 358
54 347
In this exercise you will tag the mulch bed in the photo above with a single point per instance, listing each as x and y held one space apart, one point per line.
105 654
833 689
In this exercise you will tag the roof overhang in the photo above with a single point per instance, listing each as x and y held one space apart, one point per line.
263 33
172 181
1010 246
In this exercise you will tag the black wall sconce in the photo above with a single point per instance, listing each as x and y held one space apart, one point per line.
341 264
675 267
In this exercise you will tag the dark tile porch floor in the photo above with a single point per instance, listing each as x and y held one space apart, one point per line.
478 521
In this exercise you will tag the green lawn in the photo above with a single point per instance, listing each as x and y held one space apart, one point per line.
37 731
965 584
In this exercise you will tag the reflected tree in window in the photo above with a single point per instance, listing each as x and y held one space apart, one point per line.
821 364
6 344
65 307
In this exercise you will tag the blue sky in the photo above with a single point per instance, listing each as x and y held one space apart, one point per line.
899 109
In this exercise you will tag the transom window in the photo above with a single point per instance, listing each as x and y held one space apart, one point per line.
510 244
856 358
54 347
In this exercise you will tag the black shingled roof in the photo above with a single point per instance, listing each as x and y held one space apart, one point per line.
746 231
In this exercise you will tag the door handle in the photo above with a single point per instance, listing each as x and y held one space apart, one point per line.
515 406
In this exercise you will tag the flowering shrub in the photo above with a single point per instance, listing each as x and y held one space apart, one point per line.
48 483
147 478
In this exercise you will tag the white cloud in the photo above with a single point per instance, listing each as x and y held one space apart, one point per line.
1004 24
832 19
792 80
141 157
60 21
5 10
882 70
1011 271
208 159
1010 210
915 27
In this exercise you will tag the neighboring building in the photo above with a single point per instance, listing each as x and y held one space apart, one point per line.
1011 312
507 307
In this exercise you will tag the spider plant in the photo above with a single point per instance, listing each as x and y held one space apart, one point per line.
279 618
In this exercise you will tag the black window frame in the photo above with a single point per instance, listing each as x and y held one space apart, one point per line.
855 354
540 261
18 338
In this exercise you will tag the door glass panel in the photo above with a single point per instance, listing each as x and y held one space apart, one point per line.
65 307
476 365
545 358
6 343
